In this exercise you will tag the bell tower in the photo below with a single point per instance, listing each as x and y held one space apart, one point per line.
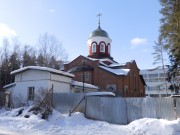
99 43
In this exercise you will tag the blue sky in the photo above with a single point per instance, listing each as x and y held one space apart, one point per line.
133 25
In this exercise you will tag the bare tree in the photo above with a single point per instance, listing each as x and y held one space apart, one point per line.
159 58
51 49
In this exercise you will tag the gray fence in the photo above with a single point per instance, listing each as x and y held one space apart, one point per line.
110 109
118 110
64 102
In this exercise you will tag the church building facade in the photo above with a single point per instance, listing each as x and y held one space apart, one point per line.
100 69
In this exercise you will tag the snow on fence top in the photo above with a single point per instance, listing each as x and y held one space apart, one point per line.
42 69
100 94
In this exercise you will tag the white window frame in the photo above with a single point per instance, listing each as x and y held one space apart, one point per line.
109 49
93 47
31 93
102 47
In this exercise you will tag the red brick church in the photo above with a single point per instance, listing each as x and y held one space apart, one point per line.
100 69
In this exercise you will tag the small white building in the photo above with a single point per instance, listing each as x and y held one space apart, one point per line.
29 80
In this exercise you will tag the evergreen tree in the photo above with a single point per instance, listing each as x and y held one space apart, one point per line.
28 57
14 63
40 60
54 63
5 66
170 34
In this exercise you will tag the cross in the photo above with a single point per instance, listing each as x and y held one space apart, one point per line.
99 15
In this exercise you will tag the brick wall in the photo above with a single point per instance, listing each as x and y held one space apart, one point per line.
128 86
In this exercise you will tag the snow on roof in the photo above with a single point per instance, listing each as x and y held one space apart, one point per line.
107 59
76 83
100 60
9 85
93 59
117 64
42 69
113 64
100 94
116 71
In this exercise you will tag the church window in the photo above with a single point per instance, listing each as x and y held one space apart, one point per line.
125 88
94 47
111 87
109 49
86 76
102 47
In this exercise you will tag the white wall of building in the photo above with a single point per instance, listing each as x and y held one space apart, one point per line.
59 78
60 87
156 85
21 88
39 79
32 75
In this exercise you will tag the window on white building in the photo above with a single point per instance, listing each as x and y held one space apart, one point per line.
152 88
102 47
161 75
152 75
94 47
30 93
144 75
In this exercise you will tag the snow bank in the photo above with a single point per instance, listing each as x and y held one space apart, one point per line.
77 124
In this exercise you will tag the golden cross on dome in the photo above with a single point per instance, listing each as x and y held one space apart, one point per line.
99 15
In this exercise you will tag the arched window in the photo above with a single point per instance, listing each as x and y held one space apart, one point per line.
109 49
102 47
93 47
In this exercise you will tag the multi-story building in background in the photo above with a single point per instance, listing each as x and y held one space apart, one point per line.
156 84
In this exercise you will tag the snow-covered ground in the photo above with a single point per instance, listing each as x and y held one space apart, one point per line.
77 124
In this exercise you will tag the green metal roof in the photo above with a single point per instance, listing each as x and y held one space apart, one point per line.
99 32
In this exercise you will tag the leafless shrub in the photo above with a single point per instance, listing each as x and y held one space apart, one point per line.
40 95
19 101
